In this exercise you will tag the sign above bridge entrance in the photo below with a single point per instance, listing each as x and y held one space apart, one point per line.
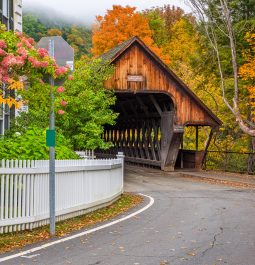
135 78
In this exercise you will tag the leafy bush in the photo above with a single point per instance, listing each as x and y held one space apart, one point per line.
89 105
32 145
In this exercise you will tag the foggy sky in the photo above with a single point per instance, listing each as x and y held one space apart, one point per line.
86 10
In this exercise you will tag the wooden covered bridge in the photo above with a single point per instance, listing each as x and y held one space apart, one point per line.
154 106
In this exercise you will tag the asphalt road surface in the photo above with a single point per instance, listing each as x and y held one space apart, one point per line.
190 223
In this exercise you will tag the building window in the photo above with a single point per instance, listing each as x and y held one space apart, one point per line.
7 13
7 122
11 14
5 8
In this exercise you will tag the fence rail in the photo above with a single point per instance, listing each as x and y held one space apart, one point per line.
81 185
87 154
230 161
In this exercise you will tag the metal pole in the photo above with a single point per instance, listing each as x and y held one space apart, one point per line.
52 199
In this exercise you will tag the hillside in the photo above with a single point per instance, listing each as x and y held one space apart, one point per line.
43 21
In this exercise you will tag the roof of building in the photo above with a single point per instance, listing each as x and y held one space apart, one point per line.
63 52
114 53
109 55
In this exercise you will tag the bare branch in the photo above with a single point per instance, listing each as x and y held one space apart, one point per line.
209 21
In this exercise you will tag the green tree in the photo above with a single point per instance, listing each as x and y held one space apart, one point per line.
80 39
33 27
86 105
158 26
88 108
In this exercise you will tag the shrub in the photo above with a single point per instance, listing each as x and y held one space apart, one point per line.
31 145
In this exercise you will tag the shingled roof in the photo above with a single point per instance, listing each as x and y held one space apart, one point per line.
112 53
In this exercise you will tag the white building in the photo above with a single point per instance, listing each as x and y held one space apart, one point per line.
11 16
17 15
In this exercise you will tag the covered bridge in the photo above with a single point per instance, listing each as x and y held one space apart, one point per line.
154 106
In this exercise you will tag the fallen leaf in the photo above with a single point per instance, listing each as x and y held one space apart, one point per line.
192 254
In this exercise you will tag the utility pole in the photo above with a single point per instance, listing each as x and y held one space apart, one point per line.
51 139
63 53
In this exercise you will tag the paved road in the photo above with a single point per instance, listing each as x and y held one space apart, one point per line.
189 224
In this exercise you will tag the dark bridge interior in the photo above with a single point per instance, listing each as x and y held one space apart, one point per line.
142 105
144 124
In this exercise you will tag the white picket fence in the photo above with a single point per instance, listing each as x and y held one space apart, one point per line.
87 154
81 186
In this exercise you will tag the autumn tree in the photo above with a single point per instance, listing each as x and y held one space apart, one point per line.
175 33
158 26
170 14
218 20
118 25
247 73
54 32
80 39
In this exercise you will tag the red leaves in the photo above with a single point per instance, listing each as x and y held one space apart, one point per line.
61 112
70 77
42 52
2 44
61 70
60 89
63 103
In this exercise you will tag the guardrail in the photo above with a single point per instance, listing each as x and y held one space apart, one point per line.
81 186
230 161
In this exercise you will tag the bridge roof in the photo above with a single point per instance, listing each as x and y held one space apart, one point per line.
113 54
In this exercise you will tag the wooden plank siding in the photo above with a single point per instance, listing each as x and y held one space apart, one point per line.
136 60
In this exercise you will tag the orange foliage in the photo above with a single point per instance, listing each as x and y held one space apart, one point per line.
247 71
54 32
13 85
119 25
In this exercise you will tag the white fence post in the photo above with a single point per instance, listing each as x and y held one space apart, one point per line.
121 156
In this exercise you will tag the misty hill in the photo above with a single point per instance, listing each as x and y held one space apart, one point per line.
52 18
42 21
